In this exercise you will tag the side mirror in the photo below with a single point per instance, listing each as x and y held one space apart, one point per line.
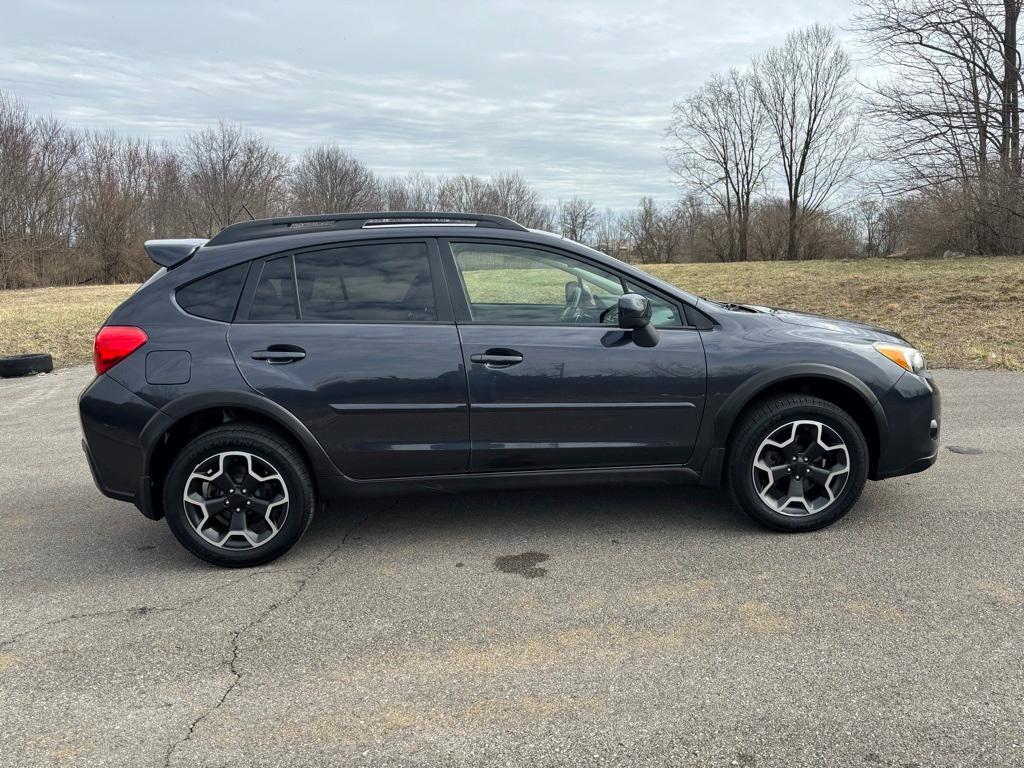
635 316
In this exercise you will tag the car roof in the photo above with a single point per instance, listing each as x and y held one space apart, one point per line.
264 237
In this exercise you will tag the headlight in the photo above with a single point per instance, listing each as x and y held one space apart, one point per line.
905 357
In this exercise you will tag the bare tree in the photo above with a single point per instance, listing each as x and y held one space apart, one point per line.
506 194
165 194
806 90
112 220
37 164
465 194
512 196
327 179
655 235
882 224
413 192
949 113
641 228
720 148
228 170
608 235
576 218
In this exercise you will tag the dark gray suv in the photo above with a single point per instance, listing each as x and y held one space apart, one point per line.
290 362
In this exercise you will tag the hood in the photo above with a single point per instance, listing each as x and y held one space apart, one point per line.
835 325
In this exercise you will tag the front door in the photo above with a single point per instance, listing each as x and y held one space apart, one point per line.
553 382
358 342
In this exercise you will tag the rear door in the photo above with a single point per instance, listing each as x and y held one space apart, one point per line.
358 341
553 382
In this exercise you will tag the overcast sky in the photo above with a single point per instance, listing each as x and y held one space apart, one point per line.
574 94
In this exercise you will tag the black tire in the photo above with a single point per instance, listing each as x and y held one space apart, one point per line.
767 417
264 445
23 365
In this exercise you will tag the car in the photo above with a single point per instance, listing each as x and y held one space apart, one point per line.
293 362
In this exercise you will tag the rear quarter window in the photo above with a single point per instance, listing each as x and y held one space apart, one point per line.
215 296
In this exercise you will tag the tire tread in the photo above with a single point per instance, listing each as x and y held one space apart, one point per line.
749 433
241 435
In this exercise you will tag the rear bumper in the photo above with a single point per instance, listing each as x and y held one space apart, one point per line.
913 410
112 421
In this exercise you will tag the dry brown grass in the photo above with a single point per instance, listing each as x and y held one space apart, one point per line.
964 313
61 321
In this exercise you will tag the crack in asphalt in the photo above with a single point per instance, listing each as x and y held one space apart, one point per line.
259 618
138 610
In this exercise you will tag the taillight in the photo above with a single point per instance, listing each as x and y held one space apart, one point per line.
114 343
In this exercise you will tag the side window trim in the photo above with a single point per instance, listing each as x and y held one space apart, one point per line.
460 300
249 289
252 282
439 282
456 287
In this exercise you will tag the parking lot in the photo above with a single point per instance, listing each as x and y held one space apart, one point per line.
597 626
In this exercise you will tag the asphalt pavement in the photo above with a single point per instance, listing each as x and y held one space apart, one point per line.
623 626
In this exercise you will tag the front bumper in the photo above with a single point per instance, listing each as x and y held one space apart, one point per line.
913 412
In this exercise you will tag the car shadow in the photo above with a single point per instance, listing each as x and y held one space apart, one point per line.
539 513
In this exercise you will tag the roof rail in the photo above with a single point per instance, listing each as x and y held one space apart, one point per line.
291 225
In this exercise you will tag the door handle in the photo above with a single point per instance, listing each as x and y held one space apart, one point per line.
498 358
278 355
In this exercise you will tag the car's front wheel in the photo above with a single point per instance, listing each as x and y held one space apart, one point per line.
238 495
797 463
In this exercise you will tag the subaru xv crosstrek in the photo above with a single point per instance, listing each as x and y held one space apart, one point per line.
287 363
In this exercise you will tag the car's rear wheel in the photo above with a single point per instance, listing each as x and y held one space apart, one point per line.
238 495
797 463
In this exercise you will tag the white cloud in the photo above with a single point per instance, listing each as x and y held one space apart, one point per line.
574 94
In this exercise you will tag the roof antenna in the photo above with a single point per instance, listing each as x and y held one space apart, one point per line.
251 217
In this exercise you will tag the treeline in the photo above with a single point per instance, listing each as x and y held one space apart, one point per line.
76 207
779 155
787 158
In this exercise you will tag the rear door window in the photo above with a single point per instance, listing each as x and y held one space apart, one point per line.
375 283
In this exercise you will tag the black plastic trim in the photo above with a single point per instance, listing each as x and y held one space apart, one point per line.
752 387
487 481
918 465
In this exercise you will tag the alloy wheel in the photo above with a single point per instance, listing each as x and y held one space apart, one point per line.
801 468
235 500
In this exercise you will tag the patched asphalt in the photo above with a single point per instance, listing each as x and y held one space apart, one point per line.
603 626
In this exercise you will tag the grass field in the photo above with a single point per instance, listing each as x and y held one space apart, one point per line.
964 313
61 321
